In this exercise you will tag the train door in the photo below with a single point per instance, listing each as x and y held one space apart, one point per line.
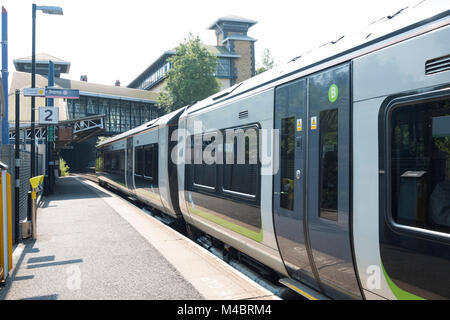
415 195
289 181
129 168
328 180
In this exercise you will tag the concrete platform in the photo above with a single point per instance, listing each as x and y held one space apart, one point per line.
92 244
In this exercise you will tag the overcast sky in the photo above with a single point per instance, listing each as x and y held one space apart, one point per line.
112 40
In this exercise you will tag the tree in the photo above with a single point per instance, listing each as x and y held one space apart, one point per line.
267 62
191 78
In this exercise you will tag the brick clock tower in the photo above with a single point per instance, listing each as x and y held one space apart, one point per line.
231 32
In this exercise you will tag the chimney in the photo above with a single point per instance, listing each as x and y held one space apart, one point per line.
117 83
84 78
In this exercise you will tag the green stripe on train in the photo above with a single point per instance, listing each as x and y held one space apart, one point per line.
257 236
399 293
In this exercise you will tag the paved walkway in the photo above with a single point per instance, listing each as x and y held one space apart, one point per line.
92 244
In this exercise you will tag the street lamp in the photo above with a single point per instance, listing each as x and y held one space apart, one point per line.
47 10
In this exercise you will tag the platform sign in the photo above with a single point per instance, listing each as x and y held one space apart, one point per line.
34 92
48 115
62 93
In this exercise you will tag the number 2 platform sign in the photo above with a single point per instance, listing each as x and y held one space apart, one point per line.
48 115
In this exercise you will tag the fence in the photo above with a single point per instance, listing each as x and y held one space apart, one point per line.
8 157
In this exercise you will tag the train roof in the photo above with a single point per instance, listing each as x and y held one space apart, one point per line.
151 124
399 22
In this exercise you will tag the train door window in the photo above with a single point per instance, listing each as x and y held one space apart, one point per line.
241 168
139 161
328 167
121 161
290 102
115 161
420 164
204 173
151 161
287 162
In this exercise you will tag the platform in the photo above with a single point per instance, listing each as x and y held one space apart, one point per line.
93 244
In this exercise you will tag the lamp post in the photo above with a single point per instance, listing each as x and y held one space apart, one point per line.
47 10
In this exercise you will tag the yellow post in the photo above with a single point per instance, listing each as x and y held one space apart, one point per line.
2 244
5 225
9 204
35 182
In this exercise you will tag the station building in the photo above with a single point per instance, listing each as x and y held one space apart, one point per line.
124 108
118 108
234 49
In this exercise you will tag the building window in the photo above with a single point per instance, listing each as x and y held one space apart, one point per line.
135 114
420 164
223 68
125 116
71 109
80 108
154 113
114 116
102 106
91 106
146 113
155 76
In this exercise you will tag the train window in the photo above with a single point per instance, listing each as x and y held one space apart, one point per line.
139 161
204 174
107 161
328 157
151 161
115 161
121 156
287 163
241 169
420 164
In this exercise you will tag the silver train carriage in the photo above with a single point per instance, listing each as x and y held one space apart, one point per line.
138 163
356 139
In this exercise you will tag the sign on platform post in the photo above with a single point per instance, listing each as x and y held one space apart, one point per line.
62 93
48 115
34 92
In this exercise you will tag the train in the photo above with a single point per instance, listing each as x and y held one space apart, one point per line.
332 170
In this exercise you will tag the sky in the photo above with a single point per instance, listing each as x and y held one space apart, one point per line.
110 40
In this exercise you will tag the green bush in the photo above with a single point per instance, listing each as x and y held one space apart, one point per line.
64 168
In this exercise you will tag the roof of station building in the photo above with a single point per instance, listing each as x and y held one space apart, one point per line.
232 18
22 80
42 58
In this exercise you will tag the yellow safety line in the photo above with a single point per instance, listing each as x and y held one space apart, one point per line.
303 293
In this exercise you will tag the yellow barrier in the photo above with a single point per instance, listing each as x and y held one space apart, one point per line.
5 225
35 182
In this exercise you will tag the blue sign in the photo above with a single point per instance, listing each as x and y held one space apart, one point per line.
62 93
